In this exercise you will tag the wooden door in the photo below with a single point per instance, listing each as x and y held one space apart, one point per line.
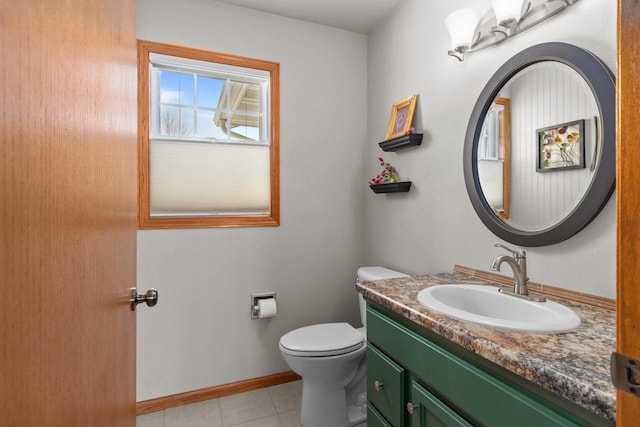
67 213
628 185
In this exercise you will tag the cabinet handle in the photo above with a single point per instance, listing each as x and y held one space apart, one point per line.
378 385
411 408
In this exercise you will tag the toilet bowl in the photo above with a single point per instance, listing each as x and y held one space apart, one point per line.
330 358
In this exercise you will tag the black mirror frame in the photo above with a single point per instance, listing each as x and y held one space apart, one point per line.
603 85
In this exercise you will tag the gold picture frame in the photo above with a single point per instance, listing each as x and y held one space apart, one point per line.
401 117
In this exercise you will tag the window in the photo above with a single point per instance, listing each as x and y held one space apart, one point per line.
208 139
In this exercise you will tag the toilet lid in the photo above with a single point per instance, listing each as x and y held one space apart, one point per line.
325 339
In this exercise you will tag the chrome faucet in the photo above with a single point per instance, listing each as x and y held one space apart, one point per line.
518 263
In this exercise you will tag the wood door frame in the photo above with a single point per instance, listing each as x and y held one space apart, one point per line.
628 197
504 118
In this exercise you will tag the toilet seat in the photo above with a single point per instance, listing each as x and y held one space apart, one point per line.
325 339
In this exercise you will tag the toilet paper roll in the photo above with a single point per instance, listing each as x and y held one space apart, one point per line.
267 308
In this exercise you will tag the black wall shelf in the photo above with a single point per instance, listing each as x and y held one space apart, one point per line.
392 187
401 142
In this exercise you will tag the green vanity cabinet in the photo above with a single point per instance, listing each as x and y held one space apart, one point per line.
417 378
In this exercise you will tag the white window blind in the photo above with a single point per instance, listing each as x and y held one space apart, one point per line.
208 179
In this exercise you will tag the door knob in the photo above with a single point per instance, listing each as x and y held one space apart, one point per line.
150 298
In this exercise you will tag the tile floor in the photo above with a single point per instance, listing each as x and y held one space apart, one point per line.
277 406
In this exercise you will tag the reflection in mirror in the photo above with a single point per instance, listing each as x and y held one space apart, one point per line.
494 157
562 130
543 95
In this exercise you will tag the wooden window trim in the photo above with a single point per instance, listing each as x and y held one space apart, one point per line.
145 221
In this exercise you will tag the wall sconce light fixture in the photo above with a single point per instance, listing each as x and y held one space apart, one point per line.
470 32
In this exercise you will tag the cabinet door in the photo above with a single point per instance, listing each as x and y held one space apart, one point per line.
425 410
385 385
374 419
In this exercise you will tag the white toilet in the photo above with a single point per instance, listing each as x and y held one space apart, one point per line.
330 358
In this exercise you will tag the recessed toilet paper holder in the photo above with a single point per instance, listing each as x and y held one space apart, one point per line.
255 309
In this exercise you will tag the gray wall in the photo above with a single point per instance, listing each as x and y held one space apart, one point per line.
434 226
200 334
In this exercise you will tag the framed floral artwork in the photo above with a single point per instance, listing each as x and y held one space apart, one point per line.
401 117
561 147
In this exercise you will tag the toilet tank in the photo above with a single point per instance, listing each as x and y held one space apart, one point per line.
374 273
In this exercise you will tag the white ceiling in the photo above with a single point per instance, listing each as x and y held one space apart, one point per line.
354 15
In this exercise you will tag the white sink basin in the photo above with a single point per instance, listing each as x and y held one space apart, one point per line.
486 306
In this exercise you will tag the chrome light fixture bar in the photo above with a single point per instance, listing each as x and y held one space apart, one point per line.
469 33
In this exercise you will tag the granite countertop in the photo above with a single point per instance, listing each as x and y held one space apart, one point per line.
574 365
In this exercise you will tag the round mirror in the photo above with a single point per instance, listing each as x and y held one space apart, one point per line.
539 156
